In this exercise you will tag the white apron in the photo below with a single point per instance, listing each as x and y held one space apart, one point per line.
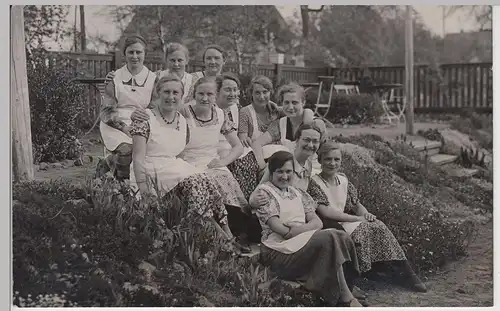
203 142
291 211
316 167
267 150
162 148
337 197
131 93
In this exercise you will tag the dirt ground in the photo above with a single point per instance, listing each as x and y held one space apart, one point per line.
464 283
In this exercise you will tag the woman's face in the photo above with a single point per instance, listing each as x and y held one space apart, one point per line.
213 61
331 162
206 94
134 55
229 92
293 106
176 62
260 95
308 142
282 177
170 95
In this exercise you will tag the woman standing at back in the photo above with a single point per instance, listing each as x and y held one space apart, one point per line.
214 58
130 88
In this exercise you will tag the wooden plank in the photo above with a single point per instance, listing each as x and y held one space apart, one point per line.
475 87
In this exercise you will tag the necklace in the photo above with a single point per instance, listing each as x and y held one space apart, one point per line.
170 122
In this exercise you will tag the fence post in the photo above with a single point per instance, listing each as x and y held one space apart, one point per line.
278 73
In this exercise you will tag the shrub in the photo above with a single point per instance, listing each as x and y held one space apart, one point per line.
347 109
55 106
477 126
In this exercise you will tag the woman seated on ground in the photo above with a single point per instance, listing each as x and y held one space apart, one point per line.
336 196
292 98
177 58
131 87
206 123
156 145
293 244
214 58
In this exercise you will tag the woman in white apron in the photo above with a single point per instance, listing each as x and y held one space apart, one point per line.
292 98
131 88
214 58
156 145
293 244
336 196
177 58
206 123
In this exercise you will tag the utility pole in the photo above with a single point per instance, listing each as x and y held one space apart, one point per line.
409 70
82 29
22 151
75 39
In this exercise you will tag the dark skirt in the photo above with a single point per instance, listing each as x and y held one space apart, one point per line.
245 172
243 224
317 263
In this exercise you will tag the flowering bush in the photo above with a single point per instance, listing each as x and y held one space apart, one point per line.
55 106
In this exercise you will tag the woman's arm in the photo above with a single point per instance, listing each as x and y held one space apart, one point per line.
355 205
337 215
261 141
277 226
108 112
236 148
244 128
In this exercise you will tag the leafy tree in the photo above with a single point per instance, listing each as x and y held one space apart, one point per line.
44 23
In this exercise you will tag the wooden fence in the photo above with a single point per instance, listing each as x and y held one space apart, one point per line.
460 85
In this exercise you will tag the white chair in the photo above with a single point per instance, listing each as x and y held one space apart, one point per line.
347 89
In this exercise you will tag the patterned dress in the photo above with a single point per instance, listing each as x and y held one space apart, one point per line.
203 148
374 241
196 189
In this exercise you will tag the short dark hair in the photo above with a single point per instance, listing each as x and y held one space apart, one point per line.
133 39
278 159
304 127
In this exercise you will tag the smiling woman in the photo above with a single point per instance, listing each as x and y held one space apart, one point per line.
214 58
131 88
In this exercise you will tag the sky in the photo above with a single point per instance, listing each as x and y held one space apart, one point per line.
98 23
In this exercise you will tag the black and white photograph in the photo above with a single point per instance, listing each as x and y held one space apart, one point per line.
245 155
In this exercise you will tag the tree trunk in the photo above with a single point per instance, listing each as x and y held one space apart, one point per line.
237 44
161 31
22 152
83 39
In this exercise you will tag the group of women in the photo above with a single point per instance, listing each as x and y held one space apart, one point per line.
264 172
